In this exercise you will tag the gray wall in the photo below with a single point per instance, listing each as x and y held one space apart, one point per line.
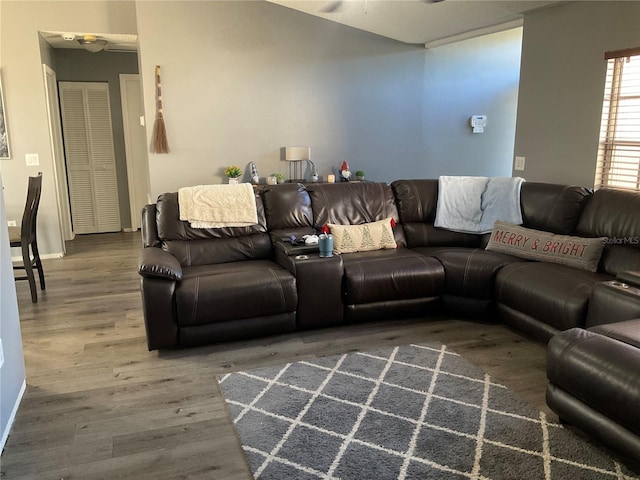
12 373
265 76
82 66
562 85
478 76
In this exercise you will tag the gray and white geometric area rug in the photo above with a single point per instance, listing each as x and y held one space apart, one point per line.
411 412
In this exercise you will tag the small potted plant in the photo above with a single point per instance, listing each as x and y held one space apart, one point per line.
279 177
233 173
360 175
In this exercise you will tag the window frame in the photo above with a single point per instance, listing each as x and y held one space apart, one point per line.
608 141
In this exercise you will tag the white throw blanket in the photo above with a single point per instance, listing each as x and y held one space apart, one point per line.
474 204
218 206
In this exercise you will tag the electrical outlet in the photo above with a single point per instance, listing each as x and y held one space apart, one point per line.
12 223
32 159
519 163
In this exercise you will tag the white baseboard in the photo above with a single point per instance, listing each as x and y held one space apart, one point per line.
46 256
12 417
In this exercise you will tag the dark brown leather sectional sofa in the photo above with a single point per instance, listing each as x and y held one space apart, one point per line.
215 285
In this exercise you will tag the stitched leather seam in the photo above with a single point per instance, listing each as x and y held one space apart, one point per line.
326 203
507 275
251 245
384 201
360 279
414 188
555 203
283 303
420 210
567 297
466 269
430 277
195 300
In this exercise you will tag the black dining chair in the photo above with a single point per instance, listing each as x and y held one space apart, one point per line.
25 237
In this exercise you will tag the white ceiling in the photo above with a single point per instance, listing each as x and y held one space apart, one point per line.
428 22
421 21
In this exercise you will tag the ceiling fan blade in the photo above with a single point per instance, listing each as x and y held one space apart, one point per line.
333 7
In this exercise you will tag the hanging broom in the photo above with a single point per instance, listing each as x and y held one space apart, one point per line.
160 144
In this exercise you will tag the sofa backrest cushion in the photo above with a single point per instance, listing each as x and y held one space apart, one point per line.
202 246
614 214
417 201
553 208
149 227
354 203
287 208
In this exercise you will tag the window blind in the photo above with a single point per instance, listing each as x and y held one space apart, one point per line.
619 147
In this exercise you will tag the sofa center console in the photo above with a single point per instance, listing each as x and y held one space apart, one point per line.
613 301
319 281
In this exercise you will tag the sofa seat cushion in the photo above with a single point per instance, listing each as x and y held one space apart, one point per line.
602 372
233 291
386 275
471 272
627 331
556 294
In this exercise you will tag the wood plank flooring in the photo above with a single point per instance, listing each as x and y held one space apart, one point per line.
99 405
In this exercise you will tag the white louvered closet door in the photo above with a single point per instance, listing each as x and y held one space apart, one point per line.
89 152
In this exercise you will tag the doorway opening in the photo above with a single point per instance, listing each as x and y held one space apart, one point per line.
66 62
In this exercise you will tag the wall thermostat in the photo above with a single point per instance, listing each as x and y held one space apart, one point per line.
478 122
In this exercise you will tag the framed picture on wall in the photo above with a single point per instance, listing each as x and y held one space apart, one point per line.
4 137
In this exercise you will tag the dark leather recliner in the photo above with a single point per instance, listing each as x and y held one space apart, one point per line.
210 285
543 299
469 269
382 283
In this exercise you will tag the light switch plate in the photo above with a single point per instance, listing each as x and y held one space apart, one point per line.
12 223
519 163
1 354
32 159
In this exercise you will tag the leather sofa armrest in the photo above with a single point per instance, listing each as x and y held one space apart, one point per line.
153 262
159 312
632 277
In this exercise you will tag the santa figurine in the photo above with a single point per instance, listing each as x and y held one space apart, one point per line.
345 173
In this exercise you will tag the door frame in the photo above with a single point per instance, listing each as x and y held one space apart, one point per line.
57 151
138 181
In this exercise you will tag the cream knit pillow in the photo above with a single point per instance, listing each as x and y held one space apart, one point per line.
362 238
